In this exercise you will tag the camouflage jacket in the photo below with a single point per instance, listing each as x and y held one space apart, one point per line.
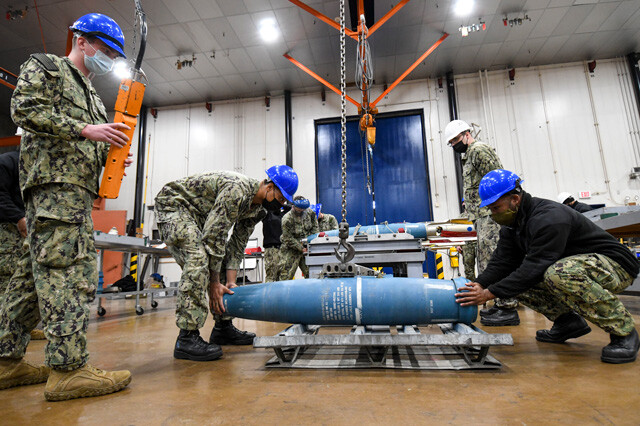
296 228
327 223
53 107
479 160
218 201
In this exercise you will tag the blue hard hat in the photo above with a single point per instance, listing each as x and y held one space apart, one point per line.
495 184
285 179
317 208
103 27
302 203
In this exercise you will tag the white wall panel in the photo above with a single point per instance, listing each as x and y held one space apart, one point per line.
551 115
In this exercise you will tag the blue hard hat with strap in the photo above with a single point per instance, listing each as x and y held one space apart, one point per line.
497 183
285 179
317 208
102 27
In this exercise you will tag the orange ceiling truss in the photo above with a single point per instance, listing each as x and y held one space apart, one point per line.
365 106
7 78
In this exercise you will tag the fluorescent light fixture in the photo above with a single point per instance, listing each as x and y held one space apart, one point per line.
463 7
268 30
121 69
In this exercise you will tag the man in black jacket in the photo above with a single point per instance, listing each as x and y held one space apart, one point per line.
271 232
558 263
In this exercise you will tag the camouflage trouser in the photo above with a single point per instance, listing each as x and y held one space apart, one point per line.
183 238
290 260
11 249
488 236
469 259
271 264
59 271
586 284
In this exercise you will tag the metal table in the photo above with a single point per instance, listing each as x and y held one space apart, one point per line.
621 222
403 252
128 244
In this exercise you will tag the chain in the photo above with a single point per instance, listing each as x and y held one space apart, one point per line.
343 116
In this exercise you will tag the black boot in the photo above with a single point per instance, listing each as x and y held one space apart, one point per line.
501 317
566 326
192 347
488 311
621 349
225 333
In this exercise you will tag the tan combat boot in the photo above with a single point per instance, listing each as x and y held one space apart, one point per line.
37 335
83 382
17 372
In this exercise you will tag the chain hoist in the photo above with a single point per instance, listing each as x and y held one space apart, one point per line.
343 232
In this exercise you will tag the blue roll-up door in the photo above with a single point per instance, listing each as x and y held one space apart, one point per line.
400 174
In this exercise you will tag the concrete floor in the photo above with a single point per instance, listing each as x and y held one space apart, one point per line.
538 384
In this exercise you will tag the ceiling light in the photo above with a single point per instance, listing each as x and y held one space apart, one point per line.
121 69
463 7
268 30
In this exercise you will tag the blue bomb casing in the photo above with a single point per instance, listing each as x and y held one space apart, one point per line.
352 301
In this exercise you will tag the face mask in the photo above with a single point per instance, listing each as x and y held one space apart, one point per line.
99 64
460 147
506 218
273 205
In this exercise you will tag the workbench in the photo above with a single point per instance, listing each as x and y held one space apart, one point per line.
621 222
107 242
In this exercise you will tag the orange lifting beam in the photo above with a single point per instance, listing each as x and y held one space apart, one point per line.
411 68
386 17
320 79
366 122
324 18
7 78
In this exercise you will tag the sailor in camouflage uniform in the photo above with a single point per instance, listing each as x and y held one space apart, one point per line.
64 146
558 263
13 225
468 251
195 215
478 159
326 221
299 223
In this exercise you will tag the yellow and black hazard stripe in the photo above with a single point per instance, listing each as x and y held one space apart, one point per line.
133 266
439 267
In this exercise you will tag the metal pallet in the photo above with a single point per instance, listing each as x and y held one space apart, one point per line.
454 347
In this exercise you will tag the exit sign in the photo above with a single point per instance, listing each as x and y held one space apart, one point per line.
585 194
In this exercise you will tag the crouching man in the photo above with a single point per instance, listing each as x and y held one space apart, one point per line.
558 263
195 215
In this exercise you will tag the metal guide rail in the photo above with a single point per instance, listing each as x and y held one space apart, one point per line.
452 347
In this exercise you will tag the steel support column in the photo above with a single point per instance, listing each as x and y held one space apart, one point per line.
633 59
453 115
138 214
288 143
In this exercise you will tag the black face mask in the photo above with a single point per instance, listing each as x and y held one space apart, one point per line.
460 147
273 205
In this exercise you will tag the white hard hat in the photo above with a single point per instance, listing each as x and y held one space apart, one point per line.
563 196
454 128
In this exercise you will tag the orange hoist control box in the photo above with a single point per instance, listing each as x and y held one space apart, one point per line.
127 108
